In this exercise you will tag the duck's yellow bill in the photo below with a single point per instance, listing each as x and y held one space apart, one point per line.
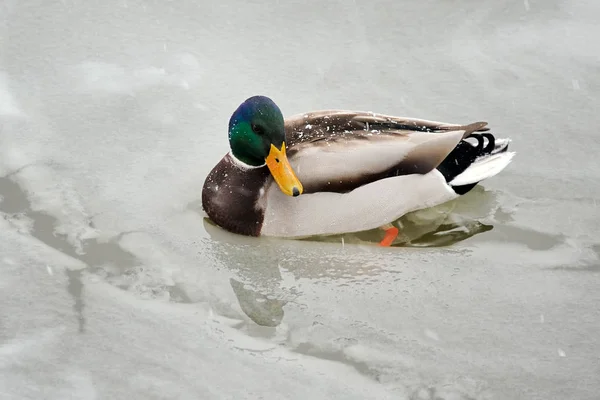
282 171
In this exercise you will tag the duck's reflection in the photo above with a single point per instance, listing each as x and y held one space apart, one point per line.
261 265
259 307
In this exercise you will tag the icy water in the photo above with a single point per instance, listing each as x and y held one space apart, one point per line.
114 286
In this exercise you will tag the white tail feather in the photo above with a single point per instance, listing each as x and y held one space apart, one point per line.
483 168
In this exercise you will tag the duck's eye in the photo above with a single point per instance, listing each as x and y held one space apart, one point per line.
258 129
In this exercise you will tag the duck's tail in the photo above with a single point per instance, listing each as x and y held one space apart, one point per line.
469 162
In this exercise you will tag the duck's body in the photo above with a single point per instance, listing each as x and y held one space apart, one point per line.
359 171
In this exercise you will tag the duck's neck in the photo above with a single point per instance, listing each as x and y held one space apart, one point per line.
244 163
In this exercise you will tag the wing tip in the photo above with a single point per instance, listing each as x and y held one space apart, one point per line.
480 126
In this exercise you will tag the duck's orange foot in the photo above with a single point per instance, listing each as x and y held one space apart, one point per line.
391 233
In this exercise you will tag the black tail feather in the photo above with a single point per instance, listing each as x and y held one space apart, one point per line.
465 154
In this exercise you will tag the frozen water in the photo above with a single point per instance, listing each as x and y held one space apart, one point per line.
112 284
90 340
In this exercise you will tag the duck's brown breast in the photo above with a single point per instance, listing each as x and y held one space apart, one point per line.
230 197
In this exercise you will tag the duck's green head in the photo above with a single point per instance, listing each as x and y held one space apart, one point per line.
257 138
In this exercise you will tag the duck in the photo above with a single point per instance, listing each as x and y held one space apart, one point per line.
331 172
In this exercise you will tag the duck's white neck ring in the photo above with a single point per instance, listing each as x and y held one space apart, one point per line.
242 164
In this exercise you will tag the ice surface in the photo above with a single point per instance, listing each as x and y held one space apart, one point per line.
125 345
8 106
112 284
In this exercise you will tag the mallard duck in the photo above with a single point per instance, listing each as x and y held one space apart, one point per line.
333 171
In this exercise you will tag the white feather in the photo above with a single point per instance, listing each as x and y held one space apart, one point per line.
366 207
484 168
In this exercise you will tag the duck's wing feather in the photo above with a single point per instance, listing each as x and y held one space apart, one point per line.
339 151
324 124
